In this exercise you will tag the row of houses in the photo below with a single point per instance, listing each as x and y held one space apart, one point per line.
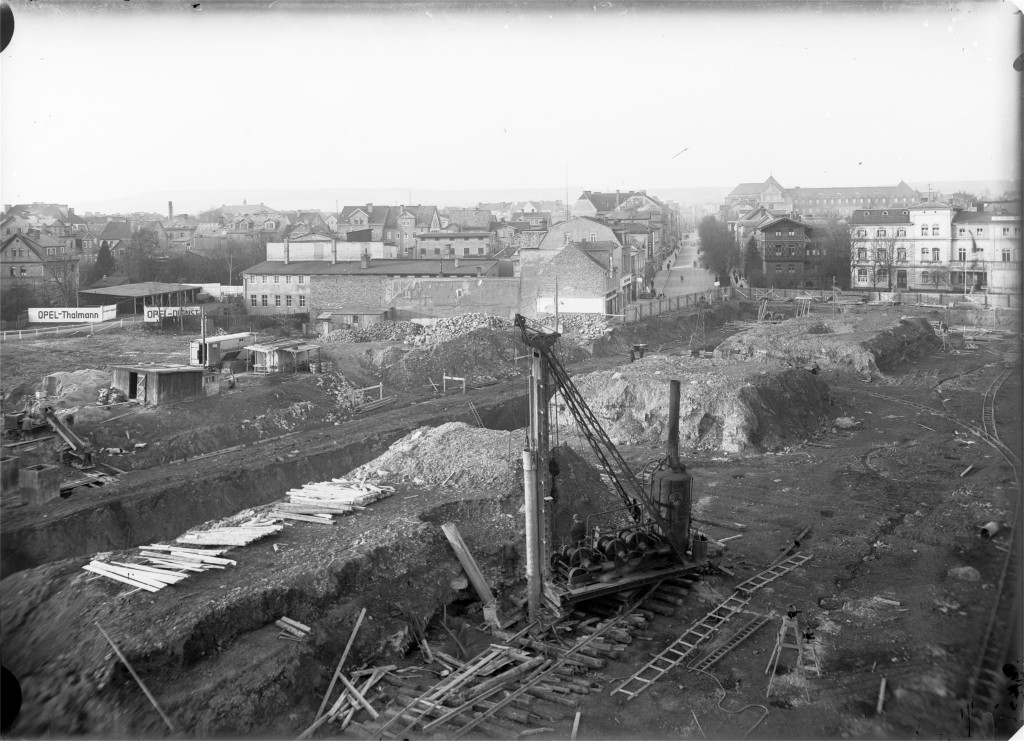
899 238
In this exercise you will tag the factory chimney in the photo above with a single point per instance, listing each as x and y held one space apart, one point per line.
170 210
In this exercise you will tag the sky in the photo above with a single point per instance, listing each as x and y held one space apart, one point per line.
105 99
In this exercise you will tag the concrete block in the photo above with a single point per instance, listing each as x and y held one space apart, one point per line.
40 483
10 472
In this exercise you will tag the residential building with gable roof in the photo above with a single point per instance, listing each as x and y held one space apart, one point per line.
36 270
790 253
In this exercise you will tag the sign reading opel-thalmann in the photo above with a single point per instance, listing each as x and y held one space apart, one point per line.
155 313
73 315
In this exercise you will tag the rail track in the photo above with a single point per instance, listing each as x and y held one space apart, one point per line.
988 701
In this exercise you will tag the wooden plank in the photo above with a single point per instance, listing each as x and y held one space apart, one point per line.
117 577
136 576
468 563
296 623
341 663
358 697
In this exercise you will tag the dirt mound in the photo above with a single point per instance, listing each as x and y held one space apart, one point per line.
450 327
78 388
454 455
480 353
669 328
458 456
386 331
724 405
859 344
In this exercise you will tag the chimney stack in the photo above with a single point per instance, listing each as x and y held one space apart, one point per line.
364 260
286 247
369 210
170 210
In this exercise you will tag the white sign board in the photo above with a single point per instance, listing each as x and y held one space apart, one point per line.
154 313
78 314
571 305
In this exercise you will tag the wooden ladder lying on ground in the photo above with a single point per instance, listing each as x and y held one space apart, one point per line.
684 646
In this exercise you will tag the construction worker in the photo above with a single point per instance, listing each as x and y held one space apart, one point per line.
578 530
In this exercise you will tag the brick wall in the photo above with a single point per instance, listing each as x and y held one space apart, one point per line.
416 298
579 279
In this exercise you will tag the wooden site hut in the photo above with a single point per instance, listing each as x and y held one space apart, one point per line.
219 348
158 383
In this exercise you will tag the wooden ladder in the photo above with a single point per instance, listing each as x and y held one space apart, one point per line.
773 572
806 655
476 415
681 649
716 655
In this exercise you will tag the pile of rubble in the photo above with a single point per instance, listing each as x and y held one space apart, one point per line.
386 331
336 386
450 327
584 326
453 455
473 355
110 395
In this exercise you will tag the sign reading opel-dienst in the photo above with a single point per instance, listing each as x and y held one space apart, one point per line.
76 314
155 313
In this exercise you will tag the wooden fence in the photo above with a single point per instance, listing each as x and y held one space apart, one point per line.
908 298
650 307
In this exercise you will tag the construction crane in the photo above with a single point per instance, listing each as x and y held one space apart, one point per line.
658 543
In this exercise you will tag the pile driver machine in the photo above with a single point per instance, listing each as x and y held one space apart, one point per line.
647 539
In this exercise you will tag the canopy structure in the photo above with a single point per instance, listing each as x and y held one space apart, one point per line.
281 356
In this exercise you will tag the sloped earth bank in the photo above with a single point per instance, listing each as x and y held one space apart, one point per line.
212 636
724 405
889 513
864 344
144 505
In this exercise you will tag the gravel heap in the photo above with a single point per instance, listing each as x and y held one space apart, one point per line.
337 386
386 331
454 454
450 327
724 405
475 355
859 343
583 326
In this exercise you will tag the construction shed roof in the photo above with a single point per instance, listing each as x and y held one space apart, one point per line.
161 368
283 346
220 337
139 290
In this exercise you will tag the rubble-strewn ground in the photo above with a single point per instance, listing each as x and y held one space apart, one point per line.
724 405
862 343
890 517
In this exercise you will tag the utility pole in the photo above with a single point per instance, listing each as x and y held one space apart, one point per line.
557 327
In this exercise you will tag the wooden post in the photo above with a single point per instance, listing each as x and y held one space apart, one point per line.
469 564
341 663
135 676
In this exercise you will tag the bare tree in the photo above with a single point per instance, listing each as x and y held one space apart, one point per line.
62 281
885 251
937 277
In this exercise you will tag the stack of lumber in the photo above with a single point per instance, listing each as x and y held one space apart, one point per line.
292 630
231 535
337 496
164 565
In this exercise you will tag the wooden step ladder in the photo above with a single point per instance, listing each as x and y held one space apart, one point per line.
806 655
716 654
682 648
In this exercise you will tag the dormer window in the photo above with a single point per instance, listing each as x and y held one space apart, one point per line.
885 213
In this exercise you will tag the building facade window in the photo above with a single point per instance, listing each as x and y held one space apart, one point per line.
862 275
302 279
263 300
961 231
1006 254
961 254
479 250
24 271
862 255
935 230
880 233
302 300
277 279
277 299
935 254
264 279
287 279
925 276
901 232
901 254
924 230
288 300
252 299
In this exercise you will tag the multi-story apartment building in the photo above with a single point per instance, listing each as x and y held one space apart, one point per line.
790 252
933 246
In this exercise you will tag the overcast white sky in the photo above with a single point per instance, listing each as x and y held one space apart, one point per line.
127 98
